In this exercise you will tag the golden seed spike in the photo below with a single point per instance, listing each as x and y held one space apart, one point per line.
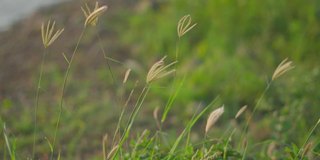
213 118
282 68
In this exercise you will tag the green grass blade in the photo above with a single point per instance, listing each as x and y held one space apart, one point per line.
188 128
171 100
10 150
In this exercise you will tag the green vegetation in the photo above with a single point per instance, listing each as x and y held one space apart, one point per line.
138 105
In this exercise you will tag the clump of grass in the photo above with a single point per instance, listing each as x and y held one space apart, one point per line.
157 70
217 149
188 127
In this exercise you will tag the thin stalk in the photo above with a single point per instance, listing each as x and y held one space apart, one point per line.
63 91
245 131
244 153
11 151
255 108
258 103
188 140
226 146
105 55
2 131
132 117
37 102
115 83
173 92
121 116
187 129
173 96
177 48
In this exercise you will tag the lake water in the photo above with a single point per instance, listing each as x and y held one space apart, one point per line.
15 10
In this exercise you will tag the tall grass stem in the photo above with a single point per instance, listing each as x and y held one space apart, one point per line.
132 117
63 91
245 131
37 102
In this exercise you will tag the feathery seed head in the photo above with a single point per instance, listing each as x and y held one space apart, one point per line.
48 35
159 70
155 113
126 76
282 68
213 117
184 25
242 109
92 16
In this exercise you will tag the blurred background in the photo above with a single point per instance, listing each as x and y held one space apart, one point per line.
231 54
12 11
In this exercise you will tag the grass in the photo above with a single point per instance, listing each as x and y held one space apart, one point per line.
169 103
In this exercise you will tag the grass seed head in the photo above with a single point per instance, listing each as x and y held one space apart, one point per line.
48 34
282 68
159 70
126 76
92 16
213 117
155 113
241 110
184 25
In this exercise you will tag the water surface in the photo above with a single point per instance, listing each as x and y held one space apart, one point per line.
12 11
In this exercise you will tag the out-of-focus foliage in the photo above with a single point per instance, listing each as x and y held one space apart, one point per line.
233 51
235 47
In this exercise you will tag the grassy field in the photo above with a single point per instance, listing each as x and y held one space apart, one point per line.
163 80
